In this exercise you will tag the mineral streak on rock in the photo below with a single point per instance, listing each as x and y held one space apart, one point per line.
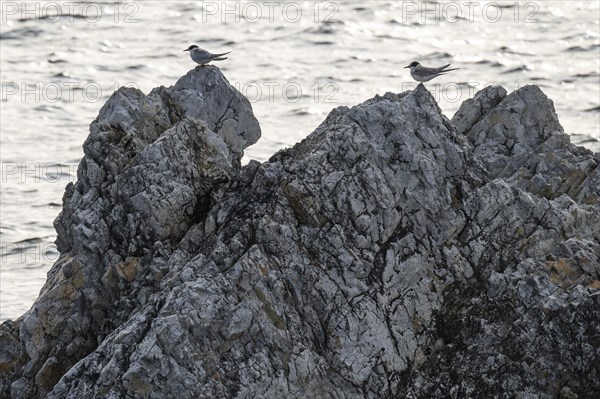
391 253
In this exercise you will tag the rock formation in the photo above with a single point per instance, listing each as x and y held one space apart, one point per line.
391 253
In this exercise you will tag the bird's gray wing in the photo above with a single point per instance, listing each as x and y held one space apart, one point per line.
213 56
203 54
427 71
440 69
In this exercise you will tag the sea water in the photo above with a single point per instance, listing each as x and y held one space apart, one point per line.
295 61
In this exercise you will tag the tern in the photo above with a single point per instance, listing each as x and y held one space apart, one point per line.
422 73
203 57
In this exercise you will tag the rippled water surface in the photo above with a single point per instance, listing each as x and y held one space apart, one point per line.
295 60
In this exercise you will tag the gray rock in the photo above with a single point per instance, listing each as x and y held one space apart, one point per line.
391 253
151 169
473 109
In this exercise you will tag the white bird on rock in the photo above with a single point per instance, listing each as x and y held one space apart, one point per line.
203 57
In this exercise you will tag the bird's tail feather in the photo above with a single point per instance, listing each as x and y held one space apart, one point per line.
219 59
219 55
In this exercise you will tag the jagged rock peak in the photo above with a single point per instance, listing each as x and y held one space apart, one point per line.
391 253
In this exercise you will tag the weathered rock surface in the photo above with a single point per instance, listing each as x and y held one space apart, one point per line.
150 168
392 253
